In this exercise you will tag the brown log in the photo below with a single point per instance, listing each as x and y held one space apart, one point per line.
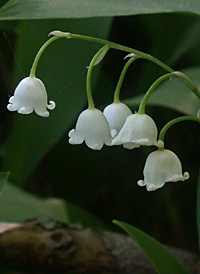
54 247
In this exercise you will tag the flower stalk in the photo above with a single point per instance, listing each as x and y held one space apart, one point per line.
173 122
177 74
37 58
113 46
121 78
89 76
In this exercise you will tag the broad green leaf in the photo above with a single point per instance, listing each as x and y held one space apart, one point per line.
18 205
3 180
198 210
25 9
62 68
174 94
163 261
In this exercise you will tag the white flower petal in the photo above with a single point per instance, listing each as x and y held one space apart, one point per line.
91 127
30 95
138 130
161 167
116 114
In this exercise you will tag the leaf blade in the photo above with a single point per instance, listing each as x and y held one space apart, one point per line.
163 261
25 9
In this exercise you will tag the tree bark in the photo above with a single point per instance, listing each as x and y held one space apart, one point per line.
54 247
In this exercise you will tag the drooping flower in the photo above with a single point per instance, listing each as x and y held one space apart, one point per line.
161 167
30 95
91 127
116 114
138 130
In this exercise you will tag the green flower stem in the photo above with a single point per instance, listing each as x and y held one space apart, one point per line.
174 121
141 54
177 74
121 78
113 46
89 75
35 62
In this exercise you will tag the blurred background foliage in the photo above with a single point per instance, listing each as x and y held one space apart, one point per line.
94 187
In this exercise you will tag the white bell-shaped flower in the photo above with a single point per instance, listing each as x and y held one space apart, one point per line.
91 127
116 114
138 130
30 95
161 167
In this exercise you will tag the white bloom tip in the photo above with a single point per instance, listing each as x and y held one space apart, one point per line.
71 133
45 114
96 147
113 133
51 105
115 142
11 100
151 187
186 175
9 107
141 183
22 110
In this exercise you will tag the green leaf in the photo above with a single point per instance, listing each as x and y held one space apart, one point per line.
174 95
163 261
198 210
62 68
3 180
42 9
18 205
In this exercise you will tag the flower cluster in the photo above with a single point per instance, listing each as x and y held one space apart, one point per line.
116 125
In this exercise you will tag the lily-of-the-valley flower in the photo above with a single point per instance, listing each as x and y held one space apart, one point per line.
116 114
138 130
91 127
30 95
161 167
